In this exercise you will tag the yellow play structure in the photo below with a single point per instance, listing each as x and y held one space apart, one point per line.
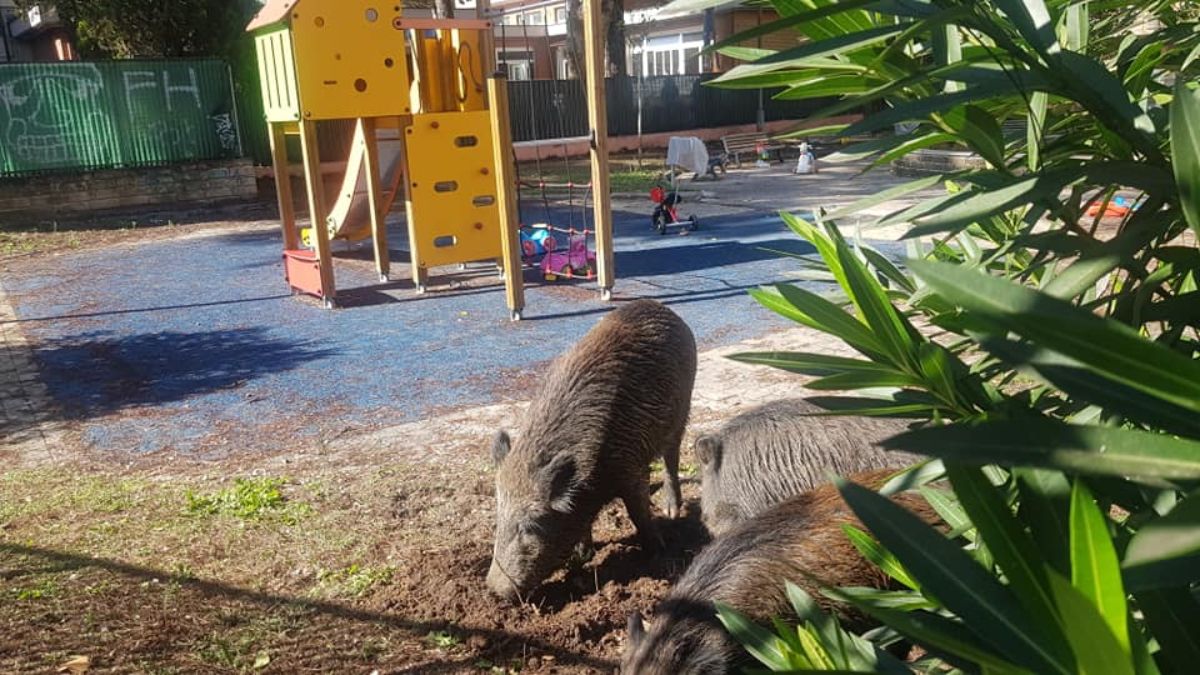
431 127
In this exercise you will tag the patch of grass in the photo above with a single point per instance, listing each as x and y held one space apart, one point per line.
244 647
355 581
44 589
634 180
249 499
442 639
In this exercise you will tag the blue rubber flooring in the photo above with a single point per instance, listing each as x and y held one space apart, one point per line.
195 345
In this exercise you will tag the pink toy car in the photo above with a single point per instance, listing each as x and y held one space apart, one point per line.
576 261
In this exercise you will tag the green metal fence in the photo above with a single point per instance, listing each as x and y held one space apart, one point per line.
69 116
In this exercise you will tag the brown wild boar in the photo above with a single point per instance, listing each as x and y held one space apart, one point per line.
610 406
779 450
746 569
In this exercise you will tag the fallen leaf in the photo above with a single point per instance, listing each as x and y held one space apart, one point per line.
76 665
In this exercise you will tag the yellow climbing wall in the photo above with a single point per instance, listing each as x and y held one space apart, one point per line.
452 189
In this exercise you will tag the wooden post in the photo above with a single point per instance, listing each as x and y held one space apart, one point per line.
316 209
420 275
375 197
283 186
506 193
593 37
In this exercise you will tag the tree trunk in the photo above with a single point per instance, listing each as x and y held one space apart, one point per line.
575 45
616 38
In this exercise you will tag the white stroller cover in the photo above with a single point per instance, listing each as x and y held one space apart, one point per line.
688 153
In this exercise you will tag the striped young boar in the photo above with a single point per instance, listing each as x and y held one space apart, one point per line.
779 450
746 569
610 406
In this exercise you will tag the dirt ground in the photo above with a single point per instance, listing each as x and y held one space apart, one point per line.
370 568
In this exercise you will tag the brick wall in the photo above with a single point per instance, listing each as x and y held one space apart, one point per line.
74 193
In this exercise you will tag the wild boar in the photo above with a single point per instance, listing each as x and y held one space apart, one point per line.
779 450
608 407
746 569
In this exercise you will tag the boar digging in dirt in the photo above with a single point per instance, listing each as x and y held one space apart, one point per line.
776 451
608 408
746 569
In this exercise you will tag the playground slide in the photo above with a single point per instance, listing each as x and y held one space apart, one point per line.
350 215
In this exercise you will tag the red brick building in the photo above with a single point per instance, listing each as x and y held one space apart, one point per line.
531 37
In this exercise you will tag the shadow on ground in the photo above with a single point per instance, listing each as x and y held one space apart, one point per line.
97 373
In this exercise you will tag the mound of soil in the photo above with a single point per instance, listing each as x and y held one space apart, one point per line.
576 620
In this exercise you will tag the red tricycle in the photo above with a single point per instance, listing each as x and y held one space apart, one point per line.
665 213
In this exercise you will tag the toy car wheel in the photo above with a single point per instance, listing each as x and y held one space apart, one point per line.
692 223
566 272
660 223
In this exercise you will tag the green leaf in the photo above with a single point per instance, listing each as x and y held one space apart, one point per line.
1032 19
863 380
888 326
1090 83
1173 537
949 509
770 27
1035 128
953 640
888 269
824 86
946 571
858 653
825 246
921 108
1191 57
905 601
1094 569
1083 384
1109 348
978 205
887 195
1011 547
916 476
1091 450
837 45
760 642
1185 151
812 310
980 131
1096 647
878 556
811 364
1045 505
1172 616
872 407
1076 20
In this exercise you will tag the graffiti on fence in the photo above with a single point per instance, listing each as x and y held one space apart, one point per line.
226 133
33 131
113 114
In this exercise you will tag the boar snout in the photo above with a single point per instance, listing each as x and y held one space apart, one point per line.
501 584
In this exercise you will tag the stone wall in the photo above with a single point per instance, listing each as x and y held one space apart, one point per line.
65 194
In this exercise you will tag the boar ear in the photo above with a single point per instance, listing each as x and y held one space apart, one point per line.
559 477
708 451
500 447
636 627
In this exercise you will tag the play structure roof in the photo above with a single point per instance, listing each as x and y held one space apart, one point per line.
272 12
